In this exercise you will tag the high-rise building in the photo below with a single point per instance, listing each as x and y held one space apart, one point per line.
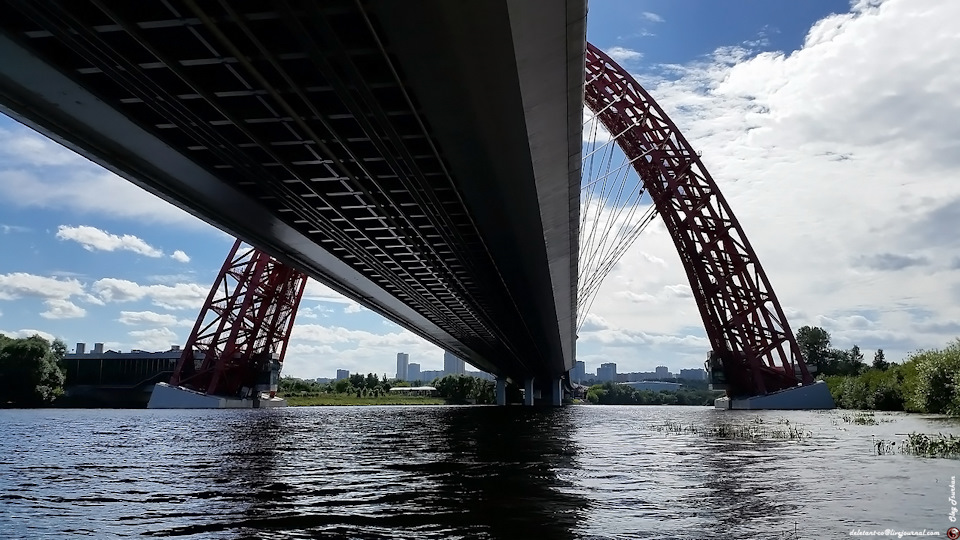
343 374
607 372
413 372
696 374
663 372
98 348
403 359
81 348
579 372
452 365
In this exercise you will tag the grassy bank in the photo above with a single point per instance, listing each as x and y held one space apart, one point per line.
350 399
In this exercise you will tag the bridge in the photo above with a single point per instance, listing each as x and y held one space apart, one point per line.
422 158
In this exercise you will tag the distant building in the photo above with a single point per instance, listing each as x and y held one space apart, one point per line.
696 374
579 372
323 380
452 365
431 375
413 372
343 374
607 372
403 360
663 372
117 379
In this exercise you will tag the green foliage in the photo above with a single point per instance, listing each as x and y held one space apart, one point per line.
879 361
30 367
620 394
814 344
464 388
938 380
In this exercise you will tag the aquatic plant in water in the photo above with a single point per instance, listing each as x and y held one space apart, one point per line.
923 445
755 430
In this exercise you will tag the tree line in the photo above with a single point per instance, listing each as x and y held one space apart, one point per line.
610 393
453 388
927 381
31 371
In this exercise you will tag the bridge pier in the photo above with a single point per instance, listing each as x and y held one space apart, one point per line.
556 392
501 391
528 392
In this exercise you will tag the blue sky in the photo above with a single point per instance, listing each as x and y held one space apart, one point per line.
798 108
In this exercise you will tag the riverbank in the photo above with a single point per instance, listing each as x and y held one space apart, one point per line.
348 399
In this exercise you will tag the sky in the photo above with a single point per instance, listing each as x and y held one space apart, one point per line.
829 126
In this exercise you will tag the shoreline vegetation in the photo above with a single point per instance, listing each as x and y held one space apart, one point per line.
926 381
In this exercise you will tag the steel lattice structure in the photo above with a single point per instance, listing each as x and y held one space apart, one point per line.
244 324
748 332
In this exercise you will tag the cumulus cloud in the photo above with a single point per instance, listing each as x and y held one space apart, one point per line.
94 239
623 55
58 308
20 284
154 339
180 256
316 350
135 318
28 332
179 296
353 307
68 181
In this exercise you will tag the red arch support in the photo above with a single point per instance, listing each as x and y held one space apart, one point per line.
744 322
244 324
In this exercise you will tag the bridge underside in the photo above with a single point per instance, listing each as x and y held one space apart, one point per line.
422 158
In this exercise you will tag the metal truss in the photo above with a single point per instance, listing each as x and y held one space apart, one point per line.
744 322
245 323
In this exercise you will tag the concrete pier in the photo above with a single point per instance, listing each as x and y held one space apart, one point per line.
811 396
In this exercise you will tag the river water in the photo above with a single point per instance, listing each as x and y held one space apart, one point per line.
462 472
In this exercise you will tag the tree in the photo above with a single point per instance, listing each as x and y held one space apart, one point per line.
938 380
29 367
371 382
814 344
879 362
357 380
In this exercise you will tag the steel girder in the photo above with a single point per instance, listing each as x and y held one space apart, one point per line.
744 322
246 319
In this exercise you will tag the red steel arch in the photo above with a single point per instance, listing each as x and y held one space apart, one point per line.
744 322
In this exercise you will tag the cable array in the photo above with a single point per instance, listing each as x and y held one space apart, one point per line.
614 210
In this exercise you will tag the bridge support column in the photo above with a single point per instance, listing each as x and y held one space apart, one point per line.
501 391
556 392
528 392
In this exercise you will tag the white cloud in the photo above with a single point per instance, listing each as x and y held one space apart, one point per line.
36 172
133 318
180 256
839 161
94 239
652 17
155 339
317 351
320 292
58 308
7 229
353 307
28 332
623 55
20 285
179 296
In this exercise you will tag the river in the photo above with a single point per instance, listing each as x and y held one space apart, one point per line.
462 472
